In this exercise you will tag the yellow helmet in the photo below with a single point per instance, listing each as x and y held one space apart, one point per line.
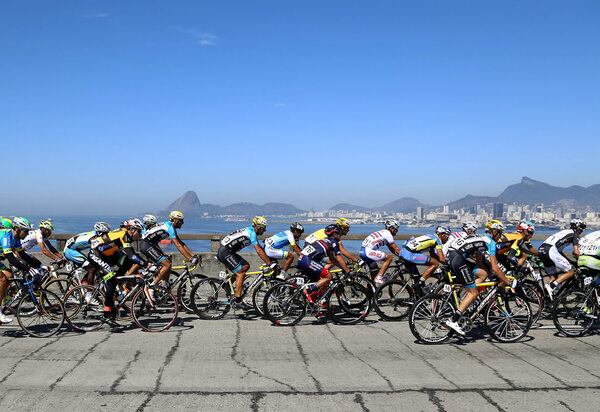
175 214
260 221
494 224
46 224
342 221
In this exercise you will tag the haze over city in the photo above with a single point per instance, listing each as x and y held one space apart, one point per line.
112 107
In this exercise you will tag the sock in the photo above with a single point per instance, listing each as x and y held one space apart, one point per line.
422 280
456 315
312 288
282 273
553 284
238 299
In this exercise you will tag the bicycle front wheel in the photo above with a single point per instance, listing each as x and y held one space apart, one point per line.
573 314
284 304
393 300
209 299
40 314
258 295
349 303
84 308
427 319
508 318
155 310
185 289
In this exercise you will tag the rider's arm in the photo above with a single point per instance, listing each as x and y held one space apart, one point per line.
394 249
297 250
440 254
183 248
16 262
261 254
30 260
498 272
49 250
576 251
346 254
339 261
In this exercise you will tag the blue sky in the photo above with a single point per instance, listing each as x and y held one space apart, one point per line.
120 107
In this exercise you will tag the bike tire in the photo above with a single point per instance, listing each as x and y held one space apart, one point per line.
508 319
349 303
48 316
284 304
156 314
259 292
574 315
60 285
184 291
81 315
210 300
427 317
393 300
536 302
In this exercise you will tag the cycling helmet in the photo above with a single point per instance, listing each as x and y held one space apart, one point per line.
442 230
297 226
526 225
5 223
149 219
392 223
575 224
176 214
333 228
101 227
135 224
260 221
343 222
469 227
22 223
494 224
46 224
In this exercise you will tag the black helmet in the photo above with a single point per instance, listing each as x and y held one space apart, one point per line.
297 226
578 224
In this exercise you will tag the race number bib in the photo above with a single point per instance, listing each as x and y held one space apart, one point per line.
308 249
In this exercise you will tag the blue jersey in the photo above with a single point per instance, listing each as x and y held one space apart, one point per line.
321 248
281 240
80 242
240 239
8 243
159 232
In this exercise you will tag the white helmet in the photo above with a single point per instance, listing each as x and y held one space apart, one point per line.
392 223
469 227
149 219
101 227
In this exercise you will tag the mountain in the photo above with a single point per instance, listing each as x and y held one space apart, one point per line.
403 205
349 207
187 202
470 200
531 191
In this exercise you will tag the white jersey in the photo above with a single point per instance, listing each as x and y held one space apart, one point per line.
32 239
454 236
563 239
590 238
377 239
590 244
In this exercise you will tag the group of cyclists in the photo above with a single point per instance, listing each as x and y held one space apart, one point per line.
471 257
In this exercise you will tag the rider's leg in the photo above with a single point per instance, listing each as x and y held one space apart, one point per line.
164 272
239 279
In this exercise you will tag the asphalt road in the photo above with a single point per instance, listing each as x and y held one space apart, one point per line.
242 362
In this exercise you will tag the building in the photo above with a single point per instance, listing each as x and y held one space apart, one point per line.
498 210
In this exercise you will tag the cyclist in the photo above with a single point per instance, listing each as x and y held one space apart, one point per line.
311 260
274 246
483 250
514 247
344 225
80 243
5 223
426 250
551 254
149 222
371 255
589 252
468 228
10 242
233 243
166 230
40 237
115 249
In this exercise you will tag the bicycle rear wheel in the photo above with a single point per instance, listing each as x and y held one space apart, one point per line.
536 303
41 314
284 304
185 289
84 308
258 295
349 303
156 310
61 285
507 319
427 319
573 314
210 300
393 300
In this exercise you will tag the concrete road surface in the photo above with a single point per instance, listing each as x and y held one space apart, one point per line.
243 363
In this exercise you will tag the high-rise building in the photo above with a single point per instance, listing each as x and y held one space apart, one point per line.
419 213
498 210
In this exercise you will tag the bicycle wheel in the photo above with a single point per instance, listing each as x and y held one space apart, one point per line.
536 303
284 304
573 314
393 300
258 295
40 314
156 310
60 285
209 299
84 308
349 303
508 318
184 291
427 319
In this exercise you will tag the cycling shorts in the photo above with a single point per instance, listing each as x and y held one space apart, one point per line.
75 256
416 258
313 269
371 257
231 260
592 262
463 269
553 260
152 252
276 253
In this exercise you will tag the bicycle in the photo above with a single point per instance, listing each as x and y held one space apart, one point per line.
184 282
576 311
40 312
347 302
211 297
507 317
153 308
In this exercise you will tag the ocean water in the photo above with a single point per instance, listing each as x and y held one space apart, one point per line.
79 224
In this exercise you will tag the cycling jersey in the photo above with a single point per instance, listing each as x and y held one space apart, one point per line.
281 240
321 248
239 239
32 239
9 247
451 239
159 232
589 239
563 239
514 241
114 241
377 239
472 244
318 235
80 242
423 243
589 249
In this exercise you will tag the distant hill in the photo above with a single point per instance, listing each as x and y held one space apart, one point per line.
530 191
470 200
403 205
348 206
